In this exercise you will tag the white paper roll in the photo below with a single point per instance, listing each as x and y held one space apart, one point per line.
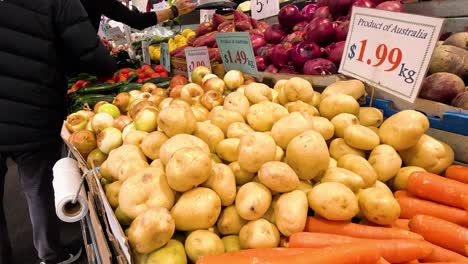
67 180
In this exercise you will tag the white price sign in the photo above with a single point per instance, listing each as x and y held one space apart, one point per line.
206 15
390 51
261 9
197 57
117 36
165 57
145 51
160 6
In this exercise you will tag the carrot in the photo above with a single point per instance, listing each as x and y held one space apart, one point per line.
444 262
458 173
441 232
412 262
436 188
411 206
465 201
401 224
382 261
440 254
268 252
394 251
320 225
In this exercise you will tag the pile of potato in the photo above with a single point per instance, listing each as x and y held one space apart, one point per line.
246 173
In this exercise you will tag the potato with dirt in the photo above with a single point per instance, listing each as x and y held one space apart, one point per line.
447 58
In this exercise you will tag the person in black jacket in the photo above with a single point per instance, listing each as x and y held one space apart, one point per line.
41 41
115 10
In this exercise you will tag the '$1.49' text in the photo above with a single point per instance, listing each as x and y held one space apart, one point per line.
238 57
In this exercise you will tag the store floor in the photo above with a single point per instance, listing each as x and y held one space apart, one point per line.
17 217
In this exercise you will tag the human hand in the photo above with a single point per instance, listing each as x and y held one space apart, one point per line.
185 6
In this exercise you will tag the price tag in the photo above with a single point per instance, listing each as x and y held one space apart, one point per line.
237 53
160 6
206 15
165 57
197 57
261 9
145 51
390 51
117 36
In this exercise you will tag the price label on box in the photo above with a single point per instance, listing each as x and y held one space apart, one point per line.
261 9
160 6
237 53
117 36
206 15
165 57
197 57
390 51
145 51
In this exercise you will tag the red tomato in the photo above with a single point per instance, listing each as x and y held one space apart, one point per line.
146 66
164 74
125 70
122 78
149 71
159 69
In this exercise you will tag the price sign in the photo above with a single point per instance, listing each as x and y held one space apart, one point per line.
145 51
117 36
197 57
206 15
237 53
165 57
391 52
160 6
261 9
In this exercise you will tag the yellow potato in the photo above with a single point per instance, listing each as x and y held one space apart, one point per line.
361 137
342 121
308 155
129 168
354 88
259 234
231 243
375 129
278 176
188 168
172 253
370 116
252 200
336 104
323 126
157 163
333 201
263 115
255 149
279 155
400 182
360 166
223 118
296 89
333 163
378 207
258 92
223 182
429 154
238 102
384 187
339 148
299 106
242 176
200 112
291 212
270 213
151 230
279 85
228 149
112 193
177 119
198 208
315 100
152 143
403 129
352 180
178 142
203 243
304 186
135 137
238 129
229 222
209 133
385 161
285 129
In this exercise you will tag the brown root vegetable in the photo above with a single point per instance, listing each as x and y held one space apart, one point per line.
450 59
243 26
204 28
458 40
442 87
227 26
461 100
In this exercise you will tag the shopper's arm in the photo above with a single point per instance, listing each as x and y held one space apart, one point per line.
79 39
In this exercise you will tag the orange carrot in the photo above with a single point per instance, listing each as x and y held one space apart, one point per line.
382 261
363 253
401 224
465 201
441 232
440 254
320 225
436 188
393 250
458 173
444 262
412 262
411 206
268 252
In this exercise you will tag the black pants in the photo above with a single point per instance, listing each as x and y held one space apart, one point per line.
35 171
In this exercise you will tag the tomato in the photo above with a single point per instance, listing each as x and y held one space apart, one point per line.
149 71
125 70
159 68
122 78
154 75
164 74
146 66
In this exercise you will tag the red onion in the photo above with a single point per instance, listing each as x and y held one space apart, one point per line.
301 26
394 6
271 68
289 15
265 51
281 54
288 69
308 11
323 11
340 7
334 52
275 33
261 64
322 3
319 67
305 51
257 41
341 30
320 31
295 37
362 3
377 2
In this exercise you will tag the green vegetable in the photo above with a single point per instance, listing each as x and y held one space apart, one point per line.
158 80
163 84
130 87
100 88
77 102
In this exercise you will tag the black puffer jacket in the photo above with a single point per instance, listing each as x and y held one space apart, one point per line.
42 40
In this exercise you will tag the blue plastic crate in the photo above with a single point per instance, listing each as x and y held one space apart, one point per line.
450 121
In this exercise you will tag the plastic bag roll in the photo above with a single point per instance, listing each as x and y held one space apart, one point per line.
67 180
